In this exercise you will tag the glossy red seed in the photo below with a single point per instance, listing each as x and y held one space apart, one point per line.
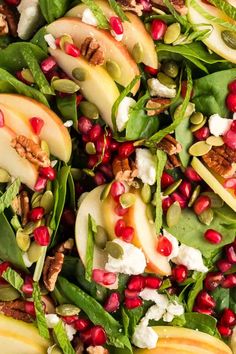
228 318
230 254
213 280
117 188
133 303
205 300
166 180
224 331
116 24
3 267
125 150
101 144
107 170
185 189
70 319
98 336
150 70
98 275
72 50
106 157
120 211
230 139
152 282
166 203
84 125
92 161
2 123
127 234
36 214
213 236
203 311
232 86
109 278
223 265
41 235
68 217
230 183
177 197
119 227
81 324
130 294
192 175
86 337
79 98
202 203
48 172
136 283
233 126
229 282
40 184
231 101
13 2
158 29
27 289
114 145
99 178
202 134
184 89
48 65
112 303
29 308
180 273
95 132
164 246
36 124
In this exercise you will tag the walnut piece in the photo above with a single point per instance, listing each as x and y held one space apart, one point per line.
52 268
172 162
97 350
131 5
170 145
156 106
15 309
92 51
31 151
124 170
179 5
221 159
25 207
4 29
7 17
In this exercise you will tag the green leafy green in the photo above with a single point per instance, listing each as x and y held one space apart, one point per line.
161 161
7 198
185 137
53 9
71 188
125 321
92 229
226 7
13 278
39 265
181 19
201 322
62 338
197 287
39 40
98 13
118 10
40 316
227 214
135 316
225 298
68 108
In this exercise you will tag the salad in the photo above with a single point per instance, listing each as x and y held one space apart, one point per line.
117 176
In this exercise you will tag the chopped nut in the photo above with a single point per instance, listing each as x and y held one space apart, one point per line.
170 145
156 106
97 350
92 51
8 15
124 170
52 268
31 151
4 29
172 162
78 345
66 246
131 5
25 207
221 159
15 309
179 5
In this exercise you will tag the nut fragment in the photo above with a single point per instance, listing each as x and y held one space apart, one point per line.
156 106
51 270
92 51
3 25
131 5
25 207
66 246
15 309
169 145
97 350
8 22
124 170
172 162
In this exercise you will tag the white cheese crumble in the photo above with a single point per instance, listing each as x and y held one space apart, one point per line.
118 37
156 88
68 123
144 336
122 115
191 258
30 18
52 320
152 295
146 165
172 310
132 262
70 331
89 18
51 42
219 126
174 242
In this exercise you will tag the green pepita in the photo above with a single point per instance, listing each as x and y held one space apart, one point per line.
27 75
90 148
66 38
150 213
100 237
229 38
89 110
166 80
76 174
45 147
79 74
47 201
196 118
206 217
172 33
49 185
188 112
114 249
215 141
29 228
173 214
113 69
195 127
137 53
8 293
4 176
65 86
105 192
146 193
182 38
171 69
127 200
35 252
199 149
35 200
22 240
216 201
194 196
88 172
169 190
67 310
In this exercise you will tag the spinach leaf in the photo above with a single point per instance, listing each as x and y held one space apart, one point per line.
39 40
227 214
62 338
13 278
71 187
161 161
226 7
4 42
40 316
98 13
39 265
200 322
225 298
125 321
92 229
7 198
53 9
135 316
181 19
197 287
118 10
68 108
185 137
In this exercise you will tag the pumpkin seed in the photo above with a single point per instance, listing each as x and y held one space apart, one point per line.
215 141
146 193
195 127
150 213
90 148
171 69
105 192
54 349
216 201
137 53
67 310
65 86
27 75
172 33
76 174
169 190
127 200
35 252
8 293
66 38
194 196
114 250
49 185
229 38
199 149
206 217
35 200
47 201
79 74
45 147
29 228
166 80
196 118
88 172
188 112
4 176
89 110
113 69
22 240
173 214
182 38
100 237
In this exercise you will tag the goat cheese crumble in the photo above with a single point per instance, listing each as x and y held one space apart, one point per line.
122 115
146 165
156 88
30 18
219 126
144 336
191 258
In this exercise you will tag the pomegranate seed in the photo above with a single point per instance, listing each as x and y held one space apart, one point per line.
152 282
86 337
125 150
81 324
230 254
150 70
101 144
70 319
78 99
213 236
231 102
112 303
230 139
41 235
36 214
164 246
3 267
114 145
120 211
192 175
106 157
130 294
166 180
119 227
116 24
48 172
72 50
117 188
230 183
99 178
158 29
205 300
223 265
109 278
228 318
147 7
85 138
177 197
203 311
92 161
95 132
2 123
98 336
233 126
29 308
166 203
232 86
127 234
202 134
180 273
13 2
184 89
107 170
68 217
133 303
84 125
136 283
213 280
229 281
224 331
48 64
36 124
40 184
201 204
185 189
98 275
27 289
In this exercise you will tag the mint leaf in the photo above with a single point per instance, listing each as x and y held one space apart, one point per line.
97 11
13 278
62 339
7 198
40 316
92 229
161 161
118 10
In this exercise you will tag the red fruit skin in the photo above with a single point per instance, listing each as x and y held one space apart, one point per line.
202 203
3 267
204 300
98 336
230 254
229 282
232 86
81 324
230 139
180 273
27 289
158 29
213 236
185 189
36 124
164 246
36 214
223 265
166 180
192 175
152 282
2 123
150 70
106 169
70 319
213 280
112 303
228 318
230 183
202 133
136 283
116 24
133 303
224 331
125 150
231 102
41 235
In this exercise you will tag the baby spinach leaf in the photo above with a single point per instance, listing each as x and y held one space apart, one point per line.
7 198
227 214
68 108
13 278
53 9
161 161
92 229
135 316
201 322
4 42
71 188
40 316
185 137
125 321
62 338
118 10
39 40
197 287
225 298
98 13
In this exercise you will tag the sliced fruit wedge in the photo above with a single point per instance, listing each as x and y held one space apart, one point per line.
134 32
97 88
214 41
15 165
215 182
53 131
113 50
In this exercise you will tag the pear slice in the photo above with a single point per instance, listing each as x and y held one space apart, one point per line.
134 31
113 50
98 88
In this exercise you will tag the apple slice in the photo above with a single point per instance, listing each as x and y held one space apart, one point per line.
18 122
144 237
113 50
98 88
214 40
53 131
15 165
134 31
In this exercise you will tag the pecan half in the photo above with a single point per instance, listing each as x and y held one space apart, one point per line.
179 5
157 105
172 162
8 21
31 151
4 29
52 268
25 207
66 246
170 145
221 159
97 350
124 170
131 5
78 345
15 309
92 51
